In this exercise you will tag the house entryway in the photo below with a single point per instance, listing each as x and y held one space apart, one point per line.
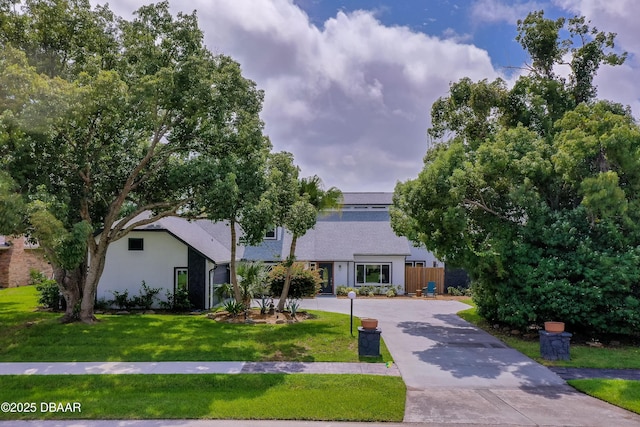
326 272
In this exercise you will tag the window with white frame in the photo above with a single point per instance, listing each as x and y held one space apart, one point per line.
373 273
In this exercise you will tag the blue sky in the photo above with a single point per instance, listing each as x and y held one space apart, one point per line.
349 84
440 18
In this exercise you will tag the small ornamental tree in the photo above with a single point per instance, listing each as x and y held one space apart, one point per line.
296 204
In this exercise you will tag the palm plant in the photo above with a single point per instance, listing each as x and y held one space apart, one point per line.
252 278
312 193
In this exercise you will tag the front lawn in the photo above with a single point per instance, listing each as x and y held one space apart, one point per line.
582 356
31 336
625 394
242 396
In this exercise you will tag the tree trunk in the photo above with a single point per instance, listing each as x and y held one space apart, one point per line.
232 265
94 271
70 285
287 277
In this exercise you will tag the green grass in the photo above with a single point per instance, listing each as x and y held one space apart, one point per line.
27 335
582 356
625 394
244 396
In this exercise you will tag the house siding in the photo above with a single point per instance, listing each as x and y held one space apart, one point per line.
340 274
17 260
397 267
197 279
125 269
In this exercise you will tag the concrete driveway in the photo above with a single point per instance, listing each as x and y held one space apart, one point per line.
458 374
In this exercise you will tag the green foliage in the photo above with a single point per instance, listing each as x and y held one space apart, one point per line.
233 307
252 279
117 117
536 194
178 301
266 304
344 290
102 304
304 282
292 306
48 291
456 292
224 291
122 300
11 206
147 296
145 299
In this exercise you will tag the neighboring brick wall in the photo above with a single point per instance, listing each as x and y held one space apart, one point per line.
17 260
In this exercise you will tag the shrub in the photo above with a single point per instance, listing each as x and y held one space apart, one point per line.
49 293
392 292
344 290
146 298
293 305
177 301
102 304
252 281
304 282
453 291
233 307
224 291
366 290
121 299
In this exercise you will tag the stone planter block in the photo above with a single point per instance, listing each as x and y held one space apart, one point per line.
369 342
554 346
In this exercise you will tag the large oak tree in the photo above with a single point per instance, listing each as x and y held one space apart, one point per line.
533 189
102 121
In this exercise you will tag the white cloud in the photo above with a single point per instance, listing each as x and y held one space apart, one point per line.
489 11
350 98
451 34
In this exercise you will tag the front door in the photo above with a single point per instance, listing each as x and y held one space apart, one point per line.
326 272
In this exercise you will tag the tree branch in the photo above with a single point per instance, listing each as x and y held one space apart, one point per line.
116 205
484 208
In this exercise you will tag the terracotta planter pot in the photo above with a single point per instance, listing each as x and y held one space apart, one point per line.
369 323
418 292
554 327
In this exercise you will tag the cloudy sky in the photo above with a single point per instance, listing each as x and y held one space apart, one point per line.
349 83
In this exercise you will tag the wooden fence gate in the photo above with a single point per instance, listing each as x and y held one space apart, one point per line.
417 278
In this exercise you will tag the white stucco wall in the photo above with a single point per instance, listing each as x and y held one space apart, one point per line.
340 274
125 269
